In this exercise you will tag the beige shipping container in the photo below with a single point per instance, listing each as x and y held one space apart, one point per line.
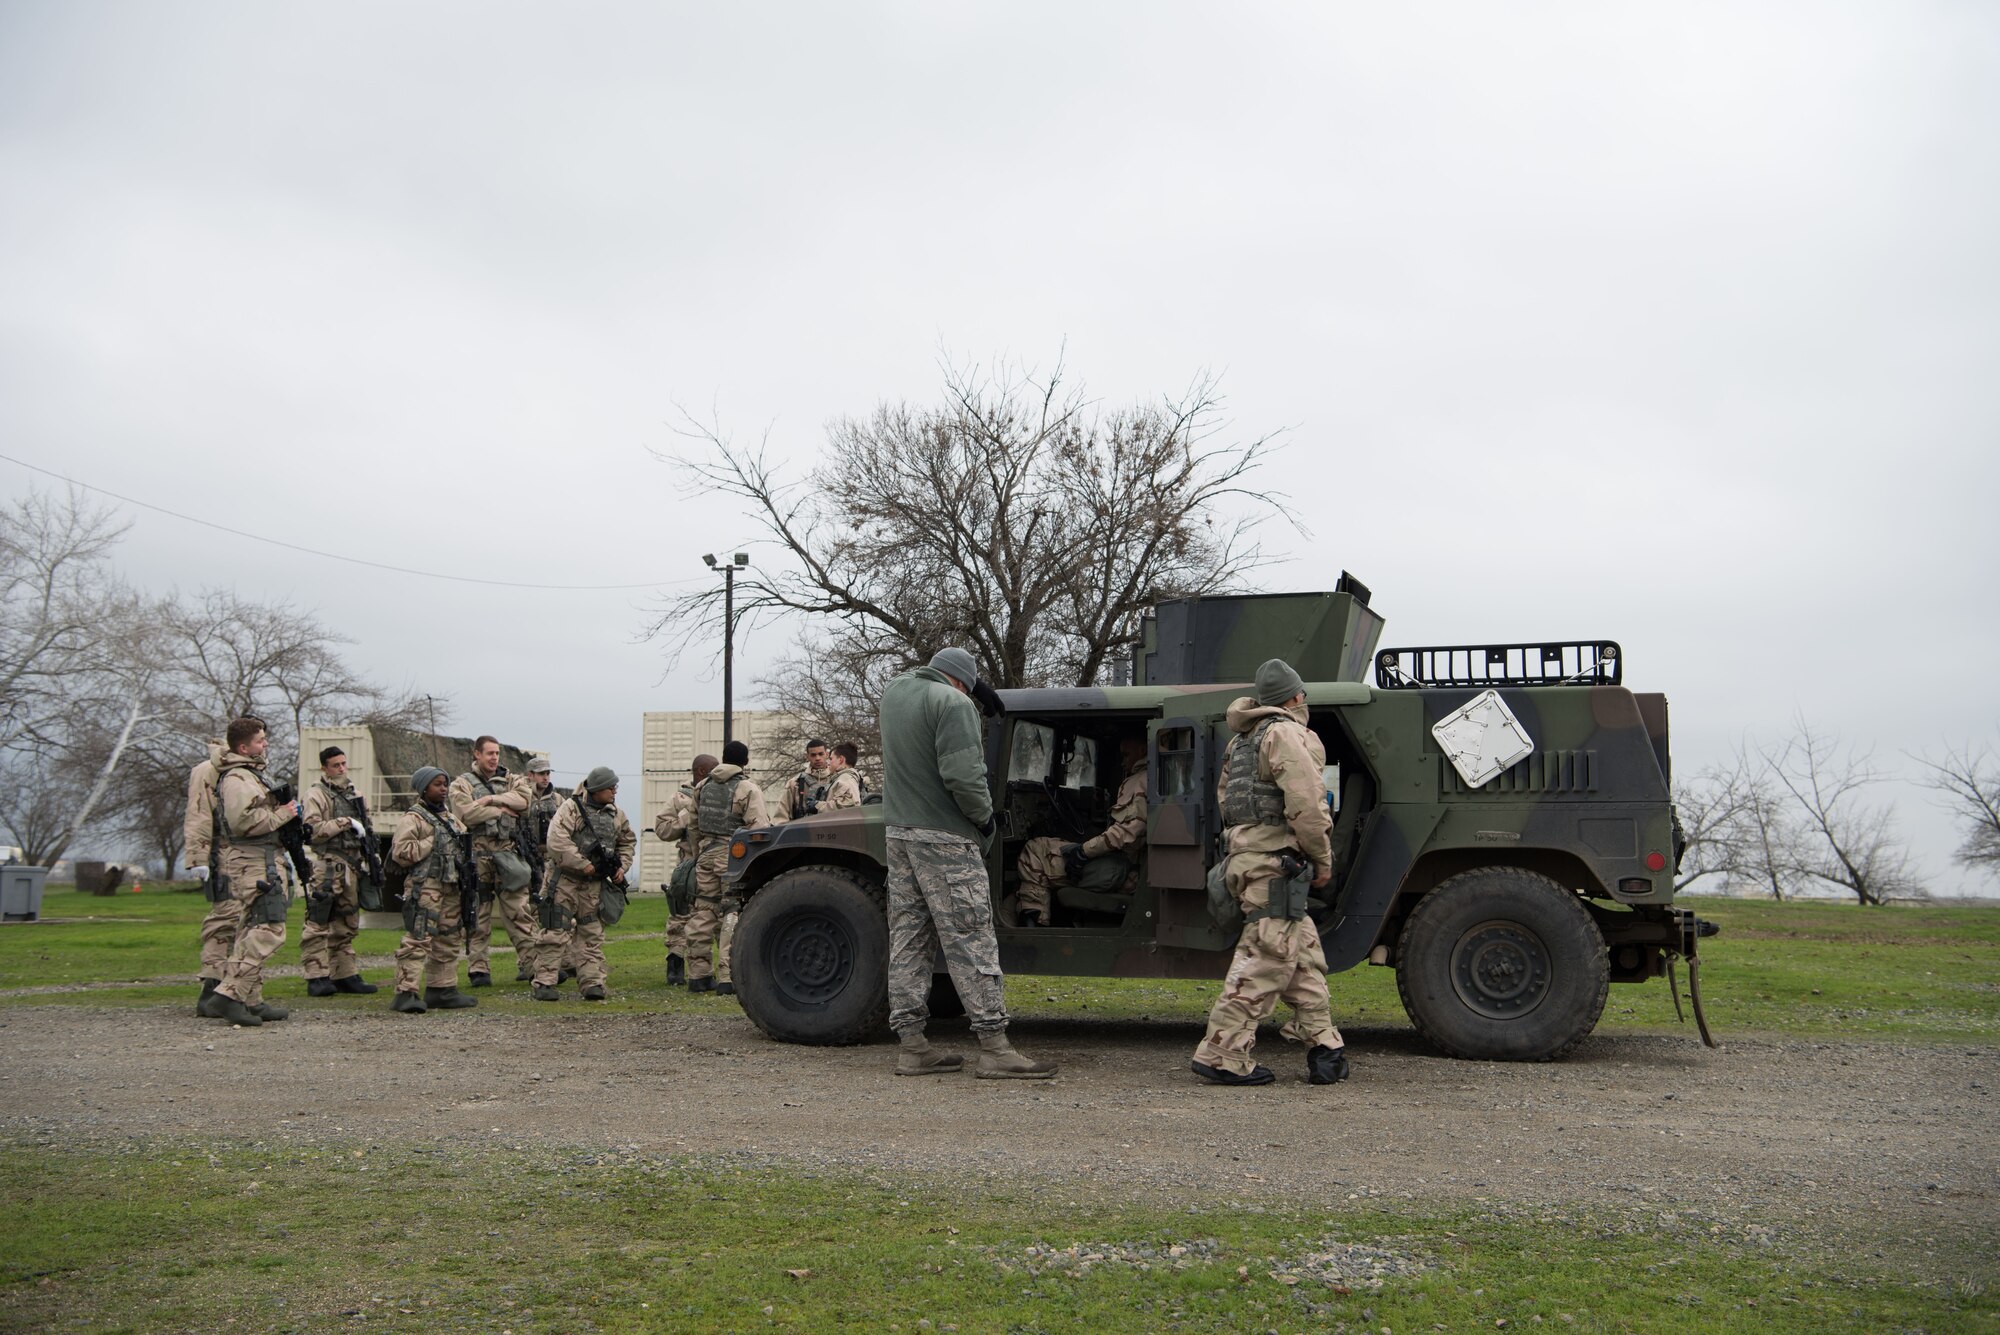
670 740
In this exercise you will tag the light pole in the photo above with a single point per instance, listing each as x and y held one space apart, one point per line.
729 569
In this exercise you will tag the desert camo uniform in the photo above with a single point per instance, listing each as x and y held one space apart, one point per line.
1273 797
1110 866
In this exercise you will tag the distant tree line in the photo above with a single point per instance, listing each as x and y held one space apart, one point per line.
110 694
1809 815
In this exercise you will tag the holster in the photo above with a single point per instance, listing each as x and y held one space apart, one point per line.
418 921
269 906
1288 894
552 915
319 906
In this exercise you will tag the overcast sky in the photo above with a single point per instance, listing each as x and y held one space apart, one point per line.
1674 324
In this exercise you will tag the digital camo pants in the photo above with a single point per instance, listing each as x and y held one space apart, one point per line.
940 903
1275 961
327 949
428 954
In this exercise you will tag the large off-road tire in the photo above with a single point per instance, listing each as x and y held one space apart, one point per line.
811 957
1501 964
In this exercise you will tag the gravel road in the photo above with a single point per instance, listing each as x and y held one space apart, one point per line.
1893 1139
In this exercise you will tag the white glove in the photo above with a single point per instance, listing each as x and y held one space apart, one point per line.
359 832
201 874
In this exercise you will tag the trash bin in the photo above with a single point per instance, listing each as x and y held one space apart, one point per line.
21 893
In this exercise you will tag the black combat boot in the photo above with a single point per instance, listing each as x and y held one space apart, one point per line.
564 974
448 998
524 975
267 1012
1215 1075
677 972
1325 1066
595 992
409 1003
544 992
480 979
201 1004
236 1012
1032 918
701 985
353 983
319 987
725 989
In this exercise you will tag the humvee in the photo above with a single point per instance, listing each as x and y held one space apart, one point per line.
1502 833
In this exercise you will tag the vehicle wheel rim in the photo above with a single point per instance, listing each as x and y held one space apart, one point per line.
811 956
1501 970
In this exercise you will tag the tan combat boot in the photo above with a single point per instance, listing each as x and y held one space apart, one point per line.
999 1061
919 1058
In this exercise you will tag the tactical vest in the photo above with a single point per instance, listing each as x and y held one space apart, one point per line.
502 827
442 863
810 789
223 838
715 807
601 822
344 808
1247 799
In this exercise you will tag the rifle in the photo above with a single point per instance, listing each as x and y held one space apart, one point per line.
533 850
373 875
602 860
292 835
468 883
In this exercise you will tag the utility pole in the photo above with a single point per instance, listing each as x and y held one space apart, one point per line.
729 569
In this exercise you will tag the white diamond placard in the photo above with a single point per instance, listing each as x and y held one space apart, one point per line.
1482 738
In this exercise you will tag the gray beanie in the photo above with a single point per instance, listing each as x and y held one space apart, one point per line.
422 778
601 777
539 765
1277 683
956 663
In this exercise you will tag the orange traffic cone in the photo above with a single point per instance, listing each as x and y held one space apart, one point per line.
136 887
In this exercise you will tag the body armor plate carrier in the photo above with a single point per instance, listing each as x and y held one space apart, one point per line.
715 807
1247 799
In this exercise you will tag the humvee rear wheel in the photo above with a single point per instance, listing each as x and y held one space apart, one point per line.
811 958
1502 964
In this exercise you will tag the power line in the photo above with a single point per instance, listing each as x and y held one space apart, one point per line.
336 556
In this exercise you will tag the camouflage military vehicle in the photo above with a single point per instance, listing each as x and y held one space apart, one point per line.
1502 832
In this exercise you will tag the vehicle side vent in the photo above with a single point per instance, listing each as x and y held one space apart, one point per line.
1557 663
1542 772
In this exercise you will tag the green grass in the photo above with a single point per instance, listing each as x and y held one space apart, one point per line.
1818 970
257 1236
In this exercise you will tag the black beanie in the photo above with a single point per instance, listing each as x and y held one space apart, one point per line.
735 753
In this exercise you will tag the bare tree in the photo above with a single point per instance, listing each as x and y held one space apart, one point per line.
55 582
1969 781
39 793
1708 808
1766 834
1850 843
1014 518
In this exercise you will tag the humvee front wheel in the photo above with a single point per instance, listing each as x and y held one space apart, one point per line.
1502 964
811 958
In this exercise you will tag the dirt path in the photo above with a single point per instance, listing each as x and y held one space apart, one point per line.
1807 1131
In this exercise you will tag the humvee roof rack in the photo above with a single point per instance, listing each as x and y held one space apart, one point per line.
1564 663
